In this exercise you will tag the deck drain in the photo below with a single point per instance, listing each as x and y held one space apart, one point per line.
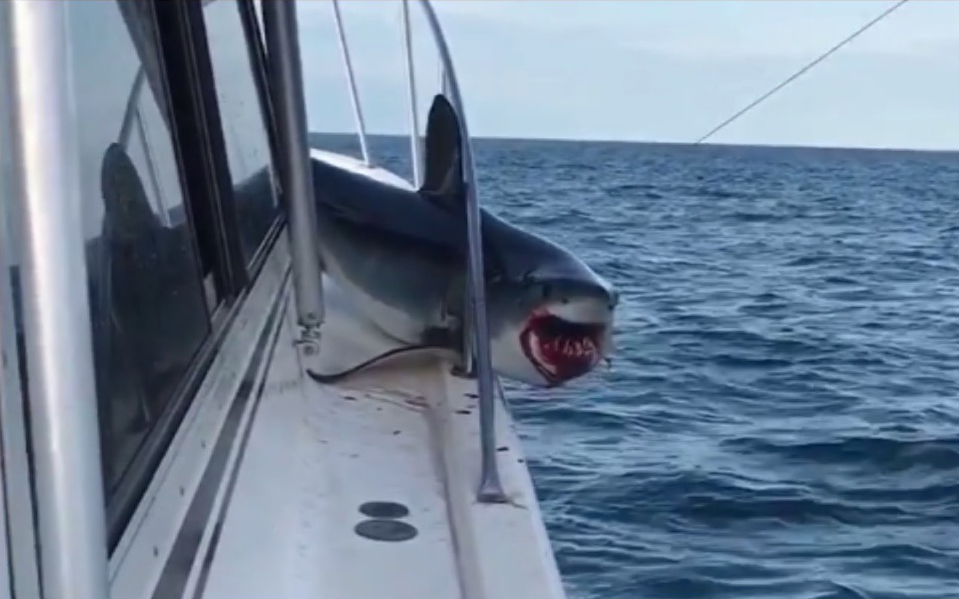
384 509
379 529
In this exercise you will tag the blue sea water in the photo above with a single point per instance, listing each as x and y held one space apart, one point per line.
782 414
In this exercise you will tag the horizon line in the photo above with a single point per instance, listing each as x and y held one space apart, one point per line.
778 146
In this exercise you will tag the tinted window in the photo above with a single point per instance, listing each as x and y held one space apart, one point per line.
242 117
149 315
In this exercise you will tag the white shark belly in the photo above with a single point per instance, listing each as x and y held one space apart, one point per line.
403 314
401 324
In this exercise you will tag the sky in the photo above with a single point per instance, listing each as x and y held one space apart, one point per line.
664 71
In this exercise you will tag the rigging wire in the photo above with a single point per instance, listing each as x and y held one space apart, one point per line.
800 72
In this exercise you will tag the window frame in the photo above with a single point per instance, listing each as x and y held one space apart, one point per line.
257 49
257 55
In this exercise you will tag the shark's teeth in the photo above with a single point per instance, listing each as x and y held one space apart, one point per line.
567 348
574 348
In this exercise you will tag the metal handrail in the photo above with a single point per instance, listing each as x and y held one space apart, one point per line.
351 80
476 354
415 157
490 487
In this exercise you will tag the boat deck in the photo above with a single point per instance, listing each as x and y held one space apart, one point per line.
366 488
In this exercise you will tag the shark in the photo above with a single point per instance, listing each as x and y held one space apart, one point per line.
400 256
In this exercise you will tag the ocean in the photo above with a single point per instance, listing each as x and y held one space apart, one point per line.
781 418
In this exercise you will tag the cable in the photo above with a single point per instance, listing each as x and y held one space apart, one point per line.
800 72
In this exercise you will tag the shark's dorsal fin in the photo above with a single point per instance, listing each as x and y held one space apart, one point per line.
443 174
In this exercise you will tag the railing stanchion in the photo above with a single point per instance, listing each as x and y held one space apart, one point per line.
415 157
286 81
351 79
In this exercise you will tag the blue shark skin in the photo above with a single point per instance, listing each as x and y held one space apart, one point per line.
400 256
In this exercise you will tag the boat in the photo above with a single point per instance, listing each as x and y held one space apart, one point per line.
160 435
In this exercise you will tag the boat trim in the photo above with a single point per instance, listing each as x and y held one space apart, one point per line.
174 577
150 540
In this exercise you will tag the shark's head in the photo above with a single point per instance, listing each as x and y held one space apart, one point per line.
555 323
550 315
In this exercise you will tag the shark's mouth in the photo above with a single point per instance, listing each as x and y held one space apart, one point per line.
560 349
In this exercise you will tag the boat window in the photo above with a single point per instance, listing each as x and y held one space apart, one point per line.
244 125
147 300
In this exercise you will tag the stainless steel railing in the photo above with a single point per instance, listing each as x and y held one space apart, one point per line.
476 353
286 83
490 487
